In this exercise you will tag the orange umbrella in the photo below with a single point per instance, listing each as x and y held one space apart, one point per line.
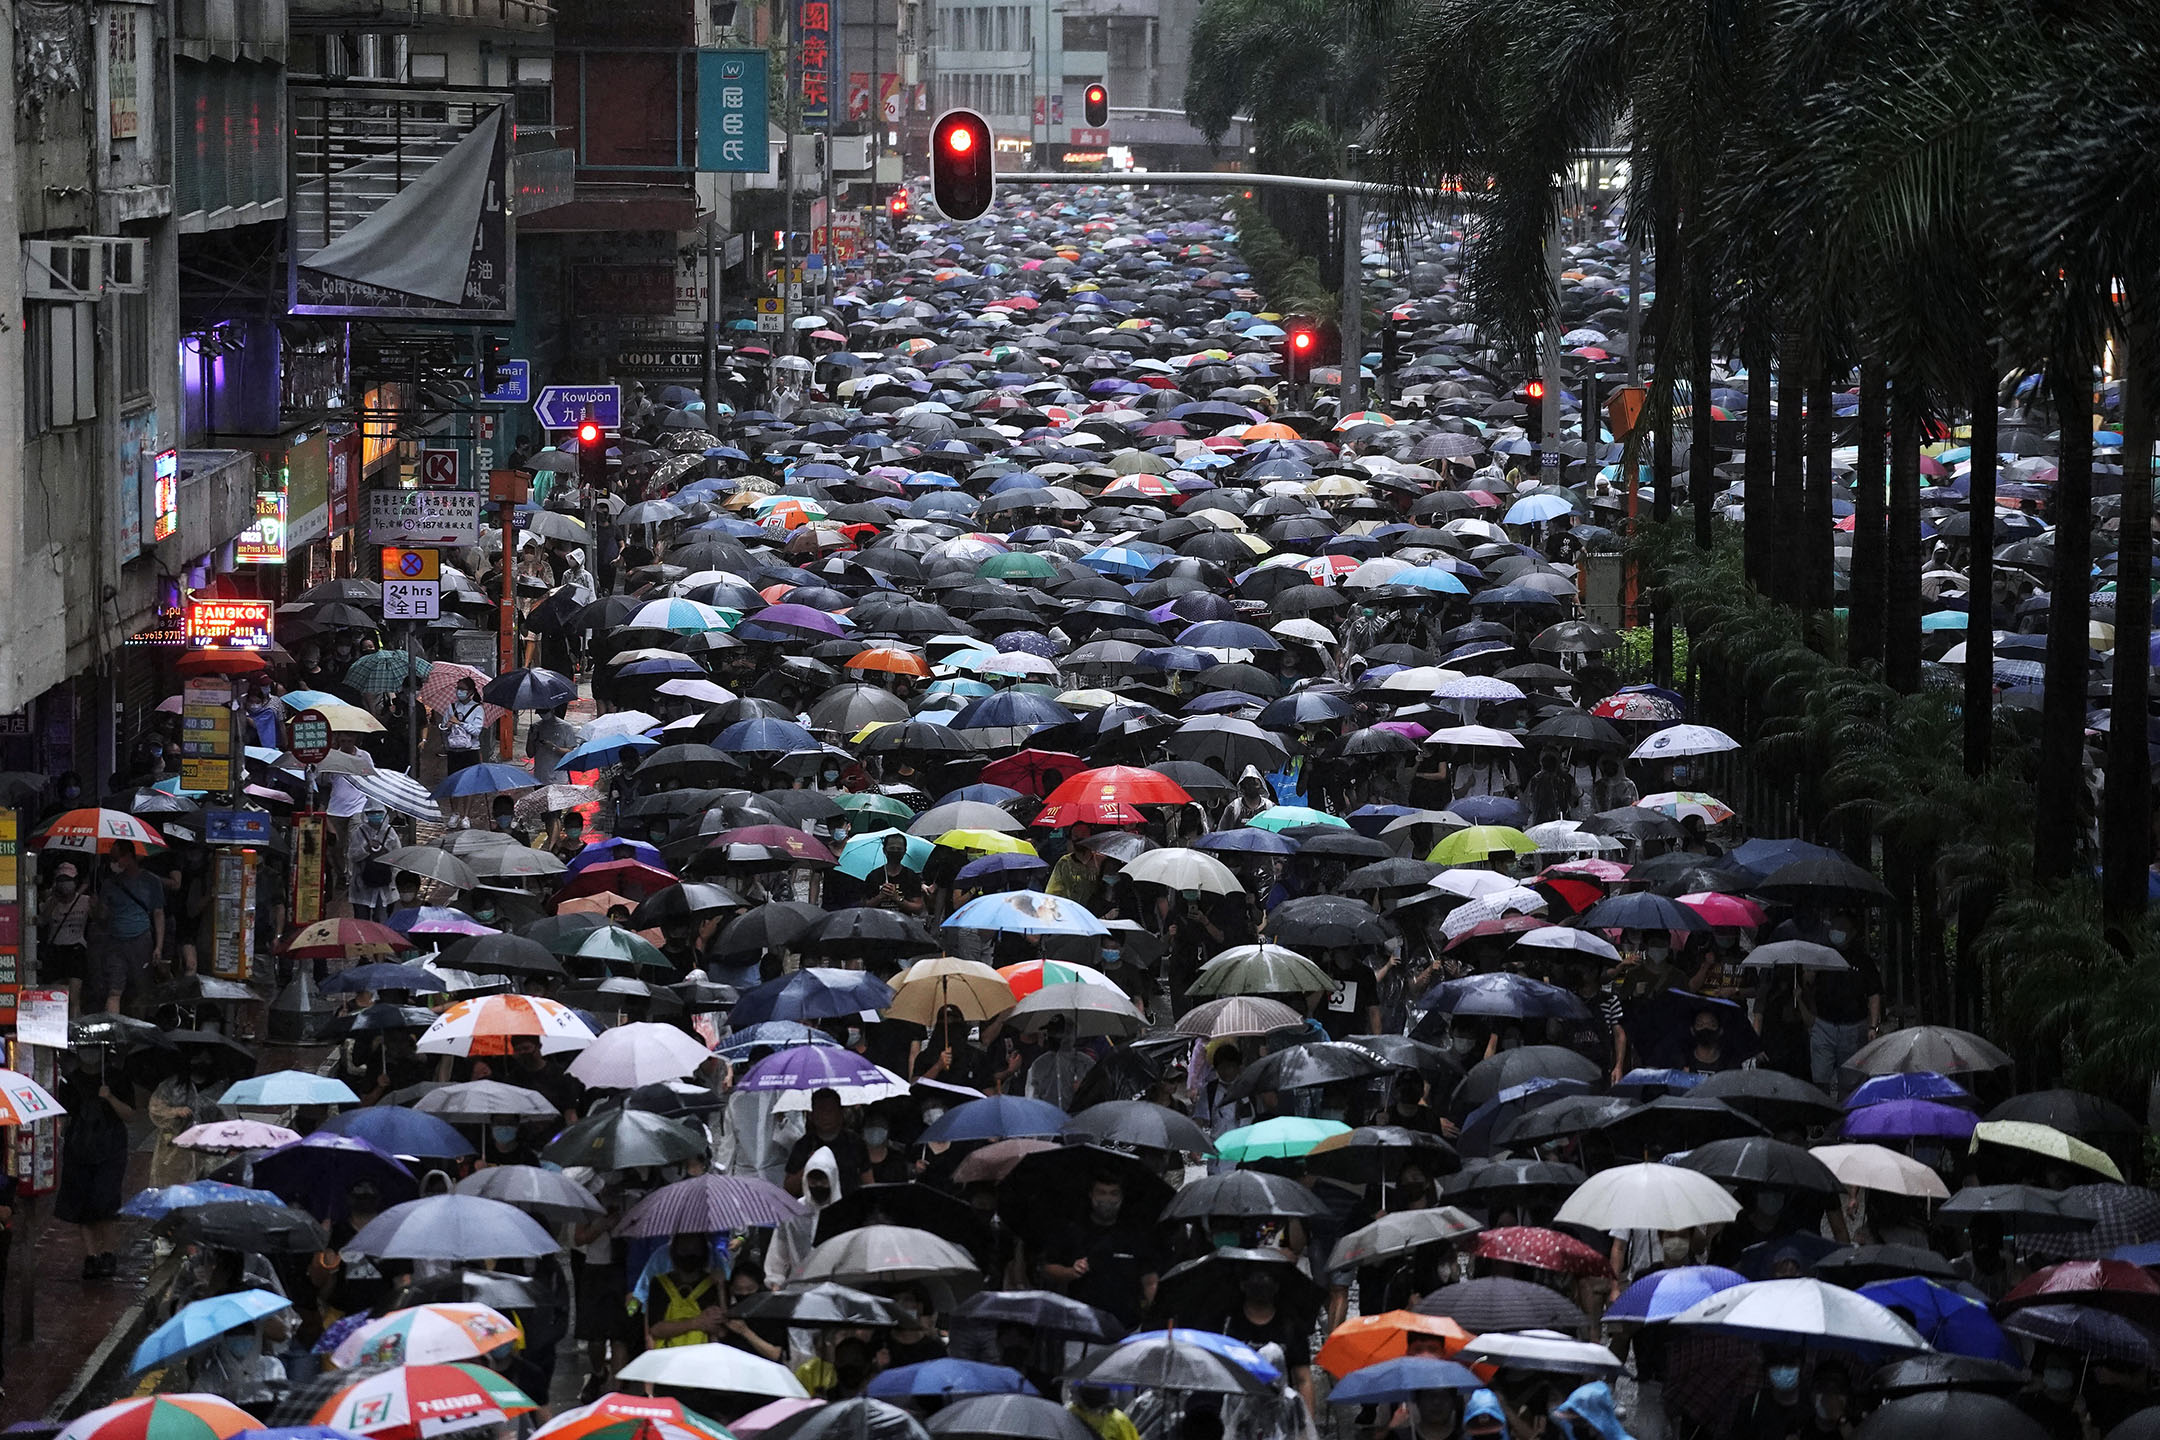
1270 431
890 660
598 903
1369 1339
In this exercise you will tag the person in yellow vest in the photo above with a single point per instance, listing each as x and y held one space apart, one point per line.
688 1304
1092 1406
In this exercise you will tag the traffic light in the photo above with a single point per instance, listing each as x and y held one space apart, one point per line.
1301 346
591 456
1393 354
1095 104
491 364
1533 399
963 179
896 206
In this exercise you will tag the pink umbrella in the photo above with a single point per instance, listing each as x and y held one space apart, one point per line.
235 1135
1409 728
1735 911
765 1417
1605 870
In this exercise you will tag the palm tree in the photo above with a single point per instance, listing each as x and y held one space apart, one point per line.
1864 632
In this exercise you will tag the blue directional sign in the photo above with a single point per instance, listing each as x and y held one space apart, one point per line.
561 407
516 387
731 111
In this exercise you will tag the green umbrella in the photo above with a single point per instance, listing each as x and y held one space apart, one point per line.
1017 565
1288 817
866 852
563 934
873 804
385 672
1259 970
1283 1138
612 942
1471 846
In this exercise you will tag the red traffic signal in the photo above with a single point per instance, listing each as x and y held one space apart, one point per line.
896 205
1535 390
963 177
1301 343
1095 102
588 434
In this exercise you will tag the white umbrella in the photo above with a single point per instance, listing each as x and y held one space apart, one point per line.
637 1054
714 1367
1808 1313
1476 737
1648 1197
1567 837
887 1086
398 791
1562 937
1515 900
1547 1350
1471 884
1873 1167
1180 869
1675 741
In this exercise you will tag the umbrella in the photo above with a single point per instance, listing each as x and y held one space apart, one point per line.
1662 1294
819 1305
641 1053
453 1227
1007 1417
1871 1167
161 1417
1139 1123
1936 1048
1946 1319
202 1323
616 1416
885 1255
1936 1413
1543 1351
488 1025
395 1130
1541 1249
926 987
1498 1302
625 1140
1043 1310
1178 1360
1366 1340
1803 1314
2020 1208
426 1334
319 1171
409 1402
235 1135
1404 1378
859 1419
998 1117
709 1367
547 1194
485 1100
2045 1140
1238 1015
282 1089
271 1230
1761 1161
947 1377
710 1204
1243 1194
1648 1197
2070 1111
1260 970
1283 1137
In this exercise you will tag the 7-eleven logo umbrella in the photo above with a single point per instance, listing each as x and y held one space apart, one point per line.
94 831
486 1026
25 1102
414 1402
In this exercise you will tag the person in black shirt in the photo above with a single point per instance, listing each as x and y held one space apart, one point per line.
893 886
1354 1007
1847 1003
1104 1261
828 1131
531 1070
1259 1319
915 1338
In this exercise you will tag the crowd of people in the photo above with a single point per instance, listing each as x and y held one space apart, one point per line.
1037 884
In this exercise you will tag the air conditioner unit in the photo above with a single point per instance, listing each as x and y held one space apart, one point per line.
62 269
127 261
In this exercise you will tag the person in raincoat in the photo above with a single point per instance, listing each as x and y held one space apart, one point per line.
1589 1413
373 888
1484 1417
792 1239
1254 796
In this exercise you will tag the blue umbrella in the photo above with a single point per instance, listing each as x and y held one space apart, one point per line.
1401 1379
1011 708
1640 910
396 1130
1428 577
1919 1085
383 976
1026 912
1237 1352
319 1171
1502 994
1544 505
1486 809
1000 1117
991 865
606 750
486 778
1228 635
201 1323
157 1204
811 993
943 1377
865 853
764 734
282 1088
777 1034
1945 1319
614 848
1662 1294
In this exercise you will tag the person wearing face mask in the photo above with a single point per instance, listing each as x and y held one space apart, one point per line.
1767 1216
2054 1400
888 1162
1778 1410
373 886
915 1338
819 1185
1260 1319
180 1100
1707 1053
686 1304
63 926
1846 1004
1588 1413
1104 1260
463 723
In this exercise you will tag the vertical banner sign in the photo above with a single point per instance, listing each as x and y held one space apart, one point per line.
731 111
123 75
888 87
206 734
11 975
307 897
233 888
813 47
858 95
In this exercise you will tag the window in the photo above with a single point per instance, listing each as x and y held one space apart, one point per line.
430 67
1004 27
1008 94
982 27
59 366
131 345
535 89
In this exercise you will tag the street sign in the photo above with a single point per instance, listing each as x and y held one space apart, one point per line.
1548 459
731 111
401 562
516 387
411 599
423 517
310 737
561 407
236 827
438 469
771 315
233 624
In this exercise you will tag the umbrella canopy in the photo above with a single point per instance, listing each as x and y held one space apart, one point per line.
1804 1314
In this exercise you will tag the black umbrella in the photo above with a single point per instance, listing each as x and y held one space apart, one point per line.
918 1207
2070 1111
1439 1068
865 929
1378 1153
1007 1417
818 1305
1048 1189
1139 1123
625 1140
1496 1302
691 900
1502 1183
1302 1067
1244 1195
2022 1208
267 1229
1829 879
1166 1363
1043 1310
859 1419
1759 1160
1566 1116
1935 1414
503 954
1780 1101
1201 1292
1327 921
1678 1122
1510 1068
771 926
1855 1265
1946 1371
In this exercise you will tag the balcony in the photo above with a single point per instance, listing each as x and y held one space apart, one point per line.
523 16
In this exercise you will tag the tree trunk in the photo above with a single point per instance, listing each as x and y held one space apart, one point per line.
1702 443
2059 781
2126 842
1759 501
1817 550
1901 583
1791 405
1980 574
1864 631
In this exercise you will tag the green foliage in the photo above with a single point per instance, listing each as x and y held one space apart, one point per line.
1288 279
1310 73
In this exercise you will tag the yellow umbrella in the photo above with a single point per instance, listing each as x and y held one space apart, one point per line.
349 717
2046 1140
985 842
927 986
1468 847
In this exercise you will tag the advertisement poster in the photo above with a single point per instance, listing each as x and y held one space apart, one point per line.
234 902
41 1018
307 898
206 734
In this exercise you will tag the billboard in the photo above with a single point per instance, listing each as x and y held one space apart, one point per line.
400 205
732 111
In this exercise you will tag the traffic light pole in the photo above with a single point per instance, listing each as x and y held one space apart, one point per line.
1351 324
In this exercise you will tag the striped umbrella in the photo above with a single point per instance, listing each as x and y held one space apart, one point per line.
486 1025
632 1417
411 1401
426 1334
162 1417
708 1204
94 831
396 790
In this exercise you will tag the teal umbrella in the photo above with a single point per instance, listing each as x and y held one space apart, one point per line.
1288 817
866 853
1284 1138
385 672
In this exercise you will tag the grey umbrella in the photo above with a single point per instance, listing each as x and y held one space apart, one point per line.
453 1227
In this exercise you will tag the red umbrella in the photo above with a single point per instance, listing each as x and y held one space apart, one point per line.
626 877
1128 784
1504 925
782 841
2113 1284
1540 1250
1575 892
220 662
1735 911
1037 772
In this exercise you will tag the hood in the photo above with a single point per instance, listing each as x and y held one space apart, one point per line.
1484 1405
1252 772
1593 1404
822 1162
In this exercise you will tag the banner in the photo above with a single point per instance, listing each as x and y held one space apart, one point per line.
858 95
814 62
731 111
889 93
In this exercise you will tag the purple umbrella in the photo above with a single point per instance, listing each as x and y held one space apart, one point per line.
809 1067
318 1173
705 1204
1910 1120
799 617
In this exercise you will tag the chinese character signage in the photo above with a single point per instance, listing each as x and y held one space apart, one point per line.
813 46
731 111
240 624
164 495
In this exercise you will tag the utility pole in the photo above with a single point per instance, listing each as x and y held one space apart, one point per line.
1351 206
